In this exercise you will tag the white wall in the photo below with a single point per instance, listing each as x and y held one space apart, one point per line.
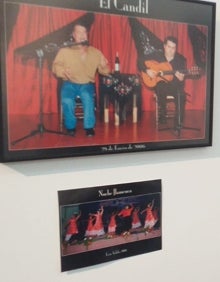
29 223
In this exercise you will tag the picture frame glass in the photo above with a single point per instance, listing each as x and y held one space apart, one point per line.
129 112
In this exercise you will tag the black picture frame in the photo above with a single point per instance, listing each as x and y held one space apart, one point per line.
30 109
113 222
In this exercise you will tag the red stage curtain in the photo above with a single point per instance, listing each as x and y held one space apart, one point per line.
109 33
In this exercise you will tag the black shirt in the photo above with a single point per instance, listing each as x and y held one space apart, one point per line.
178 63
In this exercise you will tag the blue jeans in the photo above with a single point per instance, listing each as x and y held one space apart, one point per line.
69 92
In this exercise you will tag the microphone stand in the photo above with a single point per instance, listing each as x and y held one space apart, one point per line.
40 128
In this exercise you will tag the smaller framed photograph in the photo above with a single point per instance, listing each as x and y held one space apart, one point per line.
110 222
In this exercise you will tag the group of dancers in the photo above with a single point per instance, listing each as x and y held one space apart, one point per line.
119 222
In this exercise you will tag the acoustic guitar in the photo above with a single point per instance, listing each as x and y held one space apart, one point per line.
165 72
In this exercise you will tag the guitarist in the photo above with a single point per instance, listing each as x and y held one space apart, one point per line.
175 86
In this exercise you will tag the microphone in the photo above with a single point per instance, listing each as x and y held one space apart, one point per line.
72 43
53 47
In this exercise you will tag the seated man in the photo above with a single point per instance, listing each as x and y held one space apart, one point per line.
77 66
174 85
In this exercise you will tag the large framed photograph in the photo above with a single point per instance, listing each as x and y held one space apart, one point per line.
101 77
110 222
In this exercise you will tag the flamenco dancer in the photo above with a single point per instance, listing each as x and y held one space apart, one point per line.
125 216
72 229
90 232
150 218
98 225
135 219
112 225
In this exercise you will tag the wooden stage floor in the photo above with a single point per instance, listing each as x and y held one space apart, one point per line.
106 133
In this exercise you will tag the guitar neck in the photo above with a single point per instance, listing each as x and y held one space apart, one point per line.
171 72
